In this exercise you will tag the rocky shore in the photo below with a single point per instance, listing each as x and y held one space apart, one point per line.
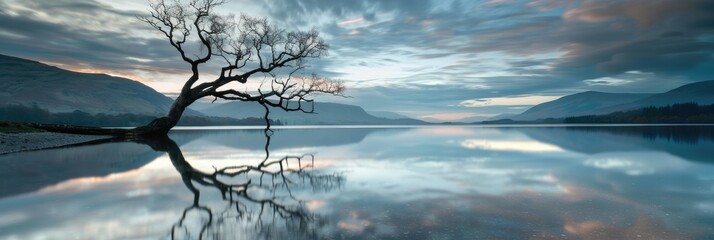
25 141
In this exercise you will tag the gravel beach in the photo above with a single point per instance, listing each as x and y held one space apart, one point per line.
17 142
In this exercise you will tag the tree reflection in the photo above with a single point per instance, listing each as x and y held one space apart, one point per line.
259 200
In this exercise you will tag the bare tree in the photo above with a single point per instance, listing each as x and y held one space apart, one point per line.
249 48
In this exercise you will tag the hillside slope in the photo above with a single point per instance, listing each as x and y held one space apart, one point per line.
585 103
325 113
28 83
701 93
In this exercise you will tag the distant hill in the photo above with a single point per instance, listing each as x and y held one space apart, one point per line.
585 103
701 93
680 113
30 83
325 114
501 116
431 120
26 84
593 103
387 115
472 119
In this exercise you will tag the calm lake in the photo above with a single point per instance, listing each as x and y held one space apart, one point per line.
433 182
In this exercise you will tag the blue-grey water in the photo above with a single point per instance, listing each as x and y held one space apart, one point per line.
444 182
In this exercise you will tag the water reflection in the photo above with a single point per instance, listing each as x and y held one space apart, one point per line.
252 193
451 182
286 138
25 172
692 143
691 134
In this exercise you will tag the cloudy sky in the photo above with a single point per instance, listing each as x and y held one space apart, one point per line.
444 59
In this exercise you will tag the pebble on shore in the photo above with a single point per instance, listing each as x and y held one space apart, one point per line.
18 142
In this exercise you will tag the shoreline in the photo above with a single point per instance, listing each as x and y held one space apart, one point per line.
29 141
437 125
13 142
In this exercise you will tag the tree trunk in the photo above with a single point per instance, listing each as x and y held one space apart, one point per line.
157 128
162 125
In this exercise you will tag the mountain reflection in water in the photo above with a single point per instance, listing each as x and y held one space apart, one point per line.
434 182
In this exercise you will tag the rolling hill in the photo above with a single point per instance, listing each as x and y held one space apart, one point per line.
585 103
29 83
701 93
33 85
325 114
600 103
387 114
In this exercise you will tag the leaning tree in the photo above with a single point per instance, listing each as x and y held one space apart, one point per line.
248 49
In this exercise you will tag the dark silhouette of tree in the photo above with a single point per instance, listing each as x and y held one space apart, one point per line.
258 197
249 48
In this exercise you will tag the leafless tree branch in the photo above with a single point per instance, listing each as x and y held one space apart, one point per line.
248 48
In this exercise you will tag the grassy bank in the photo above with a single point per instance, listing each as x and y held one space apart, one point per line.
13 127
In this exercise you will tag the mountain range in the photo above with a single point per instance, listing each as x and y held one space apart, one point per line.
600 103
33 84
325 114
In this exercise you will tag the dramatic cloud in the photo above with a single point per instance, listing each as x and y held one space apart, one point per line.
507 101
417 58
85 36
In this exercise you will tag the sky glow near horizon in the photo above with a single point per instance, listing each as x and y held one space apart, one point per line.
450 60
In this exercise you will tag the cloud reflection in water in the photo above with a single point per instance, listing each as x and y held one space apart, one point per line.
411 184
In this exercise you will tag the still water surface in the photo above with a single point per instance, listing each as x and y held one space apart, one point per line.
450 182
